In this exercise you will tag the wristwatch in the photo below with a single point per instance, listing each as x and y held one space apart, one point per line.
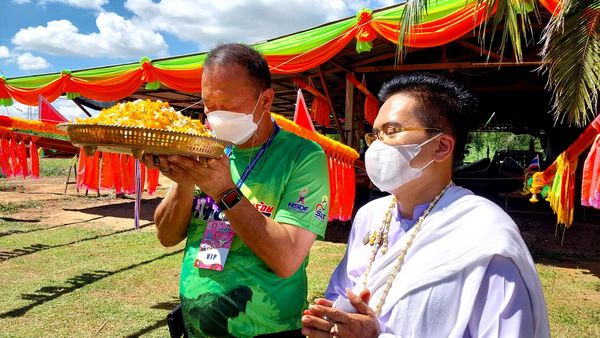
230 198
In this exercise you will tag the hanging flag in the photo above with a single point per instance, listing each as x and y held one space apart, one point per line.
301 115
47 112
535 163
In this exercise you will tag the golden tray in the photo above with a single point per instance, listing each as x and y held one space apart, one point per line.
138 141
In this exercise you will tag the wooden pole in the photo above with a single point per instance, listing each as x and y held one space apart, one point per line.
335 116
349 110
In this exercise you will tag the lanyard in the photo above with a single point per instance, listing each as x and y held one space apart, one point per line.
258 155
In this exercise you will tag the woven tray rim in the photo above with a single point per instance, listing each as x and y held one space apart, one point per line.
67 126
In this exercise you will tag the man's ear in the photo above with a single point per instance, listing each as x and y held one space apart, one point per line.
267 100
445 148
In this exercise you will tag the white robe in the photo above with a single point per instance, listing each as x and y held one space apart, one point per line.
434 293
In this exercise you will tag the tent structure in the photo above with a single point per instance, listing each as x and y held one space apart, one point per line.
342 64
320 57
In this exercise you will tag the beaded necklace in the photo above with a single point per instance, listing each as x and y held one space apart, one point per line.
379 239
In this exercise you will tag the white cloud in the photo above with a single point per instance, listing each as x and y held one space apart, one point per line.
116 38
4 52
28 61
85 4
207 21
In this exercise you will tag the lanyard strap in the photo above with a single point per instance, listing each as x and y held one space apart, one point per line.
258 155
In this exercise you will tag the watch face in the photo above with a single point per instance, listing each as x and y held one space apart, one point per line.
231 197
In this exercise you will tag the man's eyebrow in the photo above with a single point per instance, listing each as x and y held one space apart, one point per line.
392 124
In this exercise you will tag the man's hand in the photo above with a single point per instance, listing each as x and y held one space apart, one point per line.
321 320
162 163
212 176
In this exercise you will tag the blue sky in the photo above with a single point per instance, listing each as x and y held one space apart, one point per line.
45 36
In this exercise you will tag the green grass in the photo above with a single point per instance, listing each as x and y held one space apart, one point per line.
83 281
13 207
55 167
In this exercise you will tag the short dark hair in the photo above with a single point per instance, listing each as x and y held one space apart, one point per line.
245 56
441 103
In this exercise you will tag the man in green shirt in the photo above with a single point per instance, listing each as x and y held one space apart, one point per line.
270 193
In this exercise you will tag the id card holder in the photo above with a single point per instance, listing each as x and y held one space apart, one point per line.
215 245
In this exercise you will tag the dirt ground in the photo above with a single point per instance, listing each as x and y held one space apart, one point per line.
580 248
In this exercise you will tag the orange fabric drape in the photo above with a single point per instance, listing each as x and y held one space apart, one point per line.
292 64
436 32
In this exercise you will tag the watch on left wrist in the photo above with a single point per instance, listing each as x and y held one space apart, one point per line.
230 198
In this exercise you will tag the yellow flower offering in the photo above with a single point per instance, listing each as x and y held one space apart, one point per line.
147 114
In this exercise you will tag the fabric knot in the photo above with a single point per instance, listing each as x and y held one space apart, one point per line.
365 33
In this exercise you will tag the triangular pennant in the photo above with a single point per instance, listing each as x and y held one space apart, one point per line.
301 115
48 113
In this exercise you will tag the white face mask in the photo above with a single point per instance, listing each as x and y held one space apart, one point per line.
389 167
236 128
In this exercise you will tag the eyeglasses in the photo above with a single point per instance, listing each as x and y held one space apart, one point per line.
390 133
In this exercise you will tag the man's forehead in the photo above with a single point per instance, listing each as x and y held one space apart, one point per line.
398 110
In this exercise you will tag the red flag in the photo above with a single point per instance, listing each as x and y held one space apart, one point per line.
301 115
47 112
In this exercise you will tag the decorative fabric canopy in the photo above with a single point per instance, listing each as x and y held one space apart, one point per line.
446 20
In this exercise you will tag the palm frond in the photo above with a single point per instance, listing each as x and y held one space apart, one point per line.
412 16
571 59
514 14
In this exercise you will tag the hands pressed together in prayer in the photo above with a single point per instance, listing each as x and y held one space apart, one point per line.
212 176
322 320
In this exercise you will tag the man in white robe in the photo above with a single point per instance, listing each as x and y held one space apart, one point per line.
462 270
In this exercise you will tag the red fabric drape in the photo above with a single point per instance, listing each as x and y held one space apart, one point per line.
5 158
320 110
117 169
152 178
22 154
34 159
81 169
590 190
106 172
128 173
14 159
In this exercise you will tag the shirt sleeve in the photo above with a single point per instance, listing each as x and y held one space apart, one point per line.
339 280
305 199
503 305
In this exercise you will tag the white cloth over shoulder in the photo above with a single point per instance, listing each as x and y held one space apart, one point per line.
434 293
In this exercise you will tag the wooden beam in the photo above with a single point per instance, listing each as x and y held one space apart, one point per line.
376 58
481 50
335 116
449 65
82 108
